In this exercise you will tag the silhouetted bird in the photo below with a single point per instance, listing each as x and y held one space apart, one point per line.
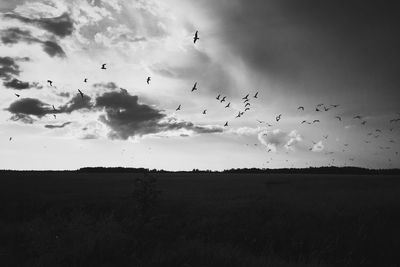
17 95
148 80
196 37
223 99
54 116
325 136
103 66
326 109
238 115
246 97
226 124
302 108
339 118
80 92
260 121
178 108
314 121
85 80
50 82
194 86
316 109
246 109
335 106
357 117
54 108
320 105
218 97
303 122
364 122
278 117
227 106
246 100
205 111
255 96
247 104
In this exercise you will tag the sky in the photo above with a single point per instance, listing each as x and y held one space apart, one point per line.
329 69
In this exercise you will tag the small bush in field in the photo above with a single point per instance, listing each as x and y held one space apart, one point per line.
145 194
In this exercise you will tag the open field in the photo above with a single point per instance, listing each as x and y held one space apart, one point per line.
204 219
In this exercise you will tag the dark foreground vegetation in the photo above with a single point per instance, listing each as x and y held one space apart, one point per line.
91 218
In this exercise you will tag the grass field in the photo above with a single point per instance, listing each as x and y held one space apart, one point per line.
204 219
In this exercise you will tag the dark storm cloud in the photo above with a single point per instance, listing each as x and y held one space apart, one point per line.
54 126
15 35
316 45
8 68
127 117
76 103
61 26
29 106
16 84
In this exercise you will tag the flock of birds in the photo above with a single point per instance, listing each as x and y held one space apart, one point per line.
247 106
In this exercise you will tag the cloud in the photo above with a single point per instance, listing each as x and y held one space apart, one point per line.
318 147
15 35
61 26
277 139
49 126
76 103
109 85
16 84
127 117
8 68
28 106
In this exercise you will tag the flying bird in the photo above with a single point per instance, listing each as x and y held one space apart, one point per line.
357 117
319 105
260 121
326 109
246 97
223 99
238 115
80 92
148 80
54 108
335 106
278 117
302 108
194 86
103 66
17 95
314 121
246 109
316 109
10 139
377 130
226 124
303 122
50 82
245 101
178 108
55 117
205 111
364 122
339 118
196 37
85 80
247 104
255 96
218 97
325 136
227 106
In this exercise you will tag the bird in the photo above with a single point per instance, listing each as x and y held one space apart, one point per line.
314 121
103 66
205 111
357 117
335 106
246 109
364 122
148 80
55 117
319 105
178 108
54 108
325 136
218 97
50 82
260 121
80 92
10 139
301 107
85 80
226 124
278 117
316 109
247 104
303 122
227 106
326 109
17 95
246 97
339 118
238 115
223 99
194 86
196 37
245 101
255 96
377 130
